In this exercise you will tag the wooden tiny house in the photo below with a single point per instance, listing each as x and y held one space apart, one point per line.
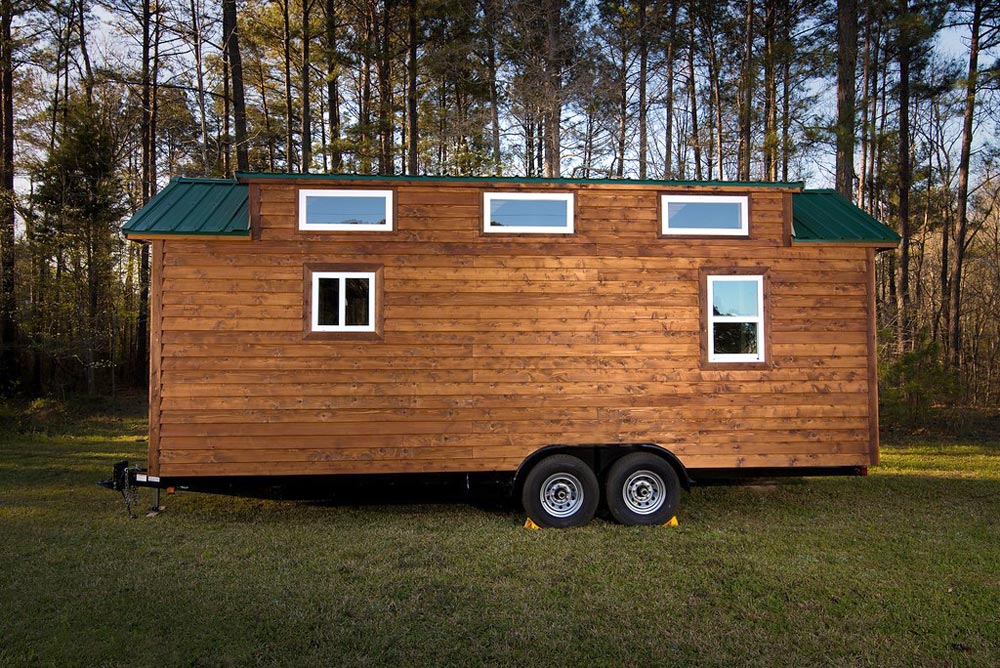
313 325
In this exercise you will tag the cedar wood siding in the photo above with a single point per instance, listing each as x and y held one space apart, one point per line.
496 345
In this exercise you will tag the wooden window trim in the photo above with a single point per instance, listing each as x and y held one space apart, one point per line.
661 215
564 195
379 289
392 211
703 315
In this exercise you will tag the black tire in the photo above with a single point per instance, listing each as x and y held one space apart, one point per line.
560 492
642 488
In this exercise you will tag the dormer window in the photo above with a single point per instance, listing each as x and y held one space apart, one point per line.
330 210
533 213
698 215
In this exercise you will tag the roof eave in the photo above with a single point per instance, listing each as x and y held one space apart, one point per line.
261 177
188 236
865 243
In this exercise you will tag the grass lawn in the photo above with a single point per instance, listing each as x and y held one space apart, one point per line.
900 568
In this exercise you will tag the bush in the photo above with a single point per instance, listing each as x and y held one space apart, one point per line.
913 382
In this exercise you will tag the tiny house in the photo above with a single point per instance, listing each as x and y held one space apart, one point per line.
591 340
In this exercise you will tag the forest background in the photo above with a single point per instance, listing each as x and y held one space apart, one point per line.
894 103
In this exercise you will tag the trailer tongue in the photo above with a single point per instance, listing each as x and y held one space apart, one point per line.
127 481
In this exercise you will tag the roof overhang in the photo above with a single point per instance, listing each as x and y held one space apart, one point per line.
195 209
259 177
824 217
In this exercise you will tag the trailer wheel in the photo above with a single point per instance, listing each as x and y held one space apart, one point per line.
642 488
560 492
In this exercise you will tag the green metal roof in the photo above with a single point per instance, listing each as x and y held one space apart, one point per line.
210 207
219 207
512 180
826 216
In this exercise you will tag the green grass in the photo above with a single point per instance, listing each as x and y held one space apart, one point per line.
900 568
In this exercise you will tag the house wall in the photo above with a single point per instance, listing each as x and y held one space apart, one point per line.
494 346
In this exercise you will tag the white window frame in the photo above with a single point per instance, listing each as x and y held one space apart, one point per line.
342 305
306 193
742 200
559 197
713 319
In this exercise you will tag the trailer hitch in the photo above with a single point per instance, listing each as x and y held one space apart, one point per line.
123 480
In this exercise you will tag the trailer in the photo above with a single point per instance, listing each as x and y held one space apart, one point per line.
587 341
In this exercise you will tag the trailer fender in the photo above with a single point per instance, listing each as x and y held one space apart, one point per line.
600 456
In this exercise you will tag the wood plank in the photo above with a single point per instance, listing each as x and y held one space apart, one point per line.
311 455
540 390
298 254
334 468
695 428
533 343
688 443
666 401
526 414
774 461
231 298
707 250
235 358
155 354
679 441
873 432
276 376
231 272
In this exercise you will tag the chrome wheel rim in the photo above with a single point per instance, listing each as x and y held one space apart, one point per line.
561 494
644 492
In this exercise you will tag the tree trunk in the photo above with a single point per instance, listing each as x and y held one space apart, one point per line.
746 97
961 228
541 144
411 91
847 47
529 146
333 87
385 162
770 95
225 140
692 91
10 371
364 151
905 178
286 43
668 139
552 116
865 92
714 78
88 72
236 72
490 18
643 64
322 134
154 111
56 92
873 118
306 111
622 111
265 111
145 83
148 177
196 38
945 287
786 88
